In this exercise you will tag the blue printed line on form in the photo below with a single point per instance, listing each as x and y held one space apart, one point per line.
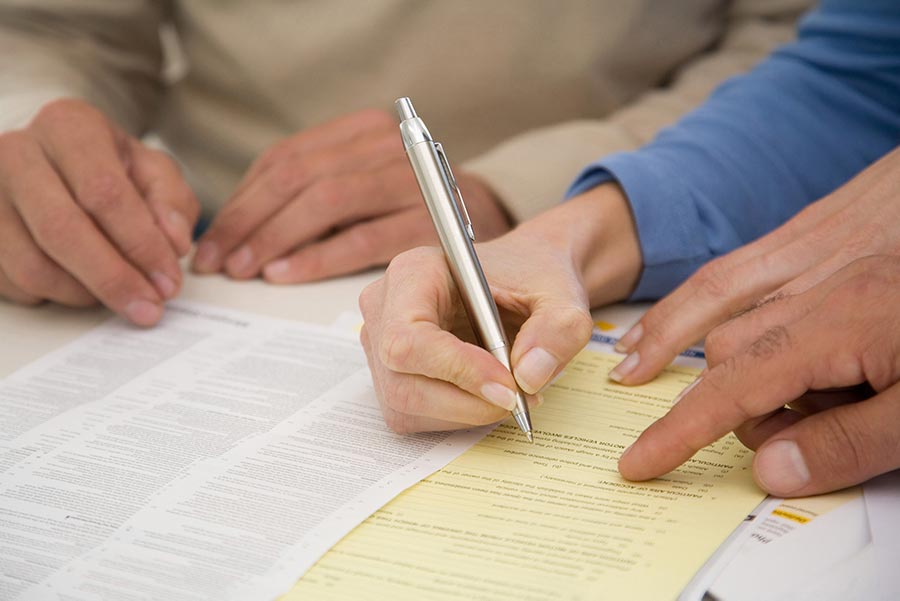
604 339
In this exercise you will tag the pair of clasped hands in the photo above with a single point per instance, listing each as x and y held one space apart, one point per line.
802 332
802 327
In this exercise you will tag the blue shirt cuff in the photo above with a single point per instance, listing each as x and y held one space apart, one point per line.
671 246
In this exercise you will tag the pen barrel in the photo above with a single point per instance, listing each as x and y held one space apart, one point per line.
459 250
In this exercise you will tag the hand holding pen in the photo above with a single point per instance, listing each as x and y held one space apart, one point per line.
428 378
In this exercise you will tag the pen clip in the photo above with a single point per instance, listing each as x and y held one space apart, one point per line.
445 165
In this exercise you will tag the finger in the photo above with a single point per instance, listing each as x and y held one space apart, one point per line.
412 341
336 132
358 247
91 159
740 332
71 239
789 359
10 291
725 287
167 193
753 433
414 396
816 401
29 272
266 195
328 204
719 290
756 431
833 449
558 326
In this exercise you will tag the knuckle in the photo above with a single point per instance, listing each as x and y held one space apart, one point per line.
143 249
230 226
116 283
658 334
723 380
401 395
575 323
772 342
50 229
326 192
101 192
370 300
364 340
720 343
714 280
61 111
414 259
870 236
872 281
397 422
396 347
30 273
287 179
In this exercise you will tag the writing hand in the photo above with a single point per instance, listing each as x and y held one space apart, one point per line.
427 373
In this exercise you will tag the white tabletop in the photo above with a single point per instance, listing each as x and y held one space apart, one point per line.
27 333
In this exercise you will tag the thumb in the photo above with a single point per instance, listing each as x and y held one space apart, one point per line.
554 333
833 449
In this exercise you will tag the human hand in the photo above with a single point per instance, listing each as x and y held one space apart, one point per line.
331 200
832 354
857 220
88 213
543 276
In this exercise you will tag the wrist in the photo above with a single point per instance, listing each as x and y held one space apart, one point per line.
596 230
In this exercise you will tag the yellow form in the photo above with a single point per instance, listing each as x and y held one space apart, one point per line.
552 520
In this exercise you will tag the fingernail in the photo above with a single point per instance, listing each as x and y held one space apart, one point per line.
781 469
164 284
631 337
181 232
240 261
624 368
686 390
143 312
499 395
207 257
277 270
534 369
626 451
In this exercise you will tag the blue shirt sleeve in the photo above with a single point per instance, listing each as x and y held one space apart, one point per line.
765 144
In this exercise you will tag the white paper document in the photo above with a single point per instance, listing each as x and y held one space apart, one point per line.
882 497
215 456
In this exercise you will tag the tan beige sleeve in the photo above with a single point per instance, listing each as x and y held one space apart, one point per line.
107 52
531 172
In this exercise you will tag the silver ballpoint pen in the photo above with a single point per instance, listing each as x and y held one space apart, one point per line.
451 220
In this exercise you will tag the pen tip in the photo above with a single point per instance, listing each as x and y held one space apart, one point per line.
530 437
